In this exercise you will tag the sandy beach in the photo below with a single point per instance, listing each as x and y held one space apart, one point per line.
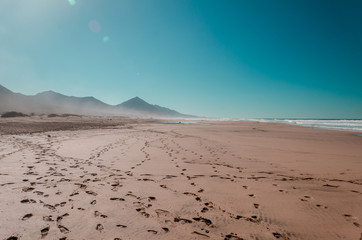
125 179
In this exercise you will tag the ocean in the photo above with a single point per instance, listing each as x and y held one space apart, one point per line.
354 125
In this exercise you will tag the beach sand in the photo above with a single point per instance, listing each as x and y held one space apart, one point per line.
126 179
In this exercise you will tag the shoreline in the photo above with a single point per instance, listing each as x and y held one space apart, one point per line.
40 124
322 124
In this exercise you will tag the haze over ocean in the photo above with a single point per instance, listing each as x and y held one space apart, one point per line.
232 59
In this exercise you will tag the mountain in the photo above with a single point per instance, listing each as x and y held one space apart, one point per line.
70 104
53 102
4 90
137 103
10 101
57 98
140 105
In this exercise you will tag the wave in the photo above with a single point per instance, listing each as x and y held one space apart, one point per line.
354 125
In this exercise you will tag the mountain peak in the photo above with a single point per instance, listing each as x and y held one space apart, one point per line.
48 93
136 103
137 99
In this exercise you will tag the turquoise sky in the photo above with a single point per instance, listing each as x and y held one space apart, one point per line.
225 58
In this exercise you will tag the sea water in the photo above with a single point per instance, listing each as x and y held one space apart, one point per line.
186 122
354 125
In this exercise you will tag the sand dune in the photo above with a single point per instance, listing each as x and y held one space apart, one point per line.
181 181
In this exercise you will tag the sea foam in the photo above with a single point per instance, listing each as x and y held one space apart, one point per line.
354 125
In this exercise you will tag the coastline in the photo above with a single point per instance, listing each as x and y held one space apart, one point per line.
350 125
136 179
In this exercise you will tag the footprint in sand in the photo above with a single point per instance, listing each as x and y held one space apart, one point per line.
12 238
152 231
59 218
305 198
182 220
120 225
352 219
116 199
205 209
91 193
208 222
28 189
49 206
189 193
28 201
27 216
143 212
73 194
209 204
321 206
233 236
161 212
200 234
44 231
278 235
99 227
48 218
63 229
96 213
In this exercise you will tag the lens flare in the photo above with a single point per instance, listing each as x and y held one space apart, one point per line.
94 26
72 2
106 39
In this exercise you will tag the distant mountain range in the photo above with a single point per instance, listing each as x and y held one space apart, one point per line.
52 102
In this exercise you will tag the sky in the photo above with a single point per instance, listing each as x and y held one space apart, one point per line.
214 58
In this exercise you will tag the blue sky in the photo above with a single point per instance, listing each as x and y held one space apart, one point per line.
237 59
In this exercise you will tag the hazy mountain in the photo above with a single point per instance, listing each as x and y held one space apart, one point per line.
4 90
70 104
138 104
10 101
57 98
53 102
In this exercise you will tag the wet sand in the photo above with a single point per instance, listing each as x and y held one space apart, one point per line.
127 179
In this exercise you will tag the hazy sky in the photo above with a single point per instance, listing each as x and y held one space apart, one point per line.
243 58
